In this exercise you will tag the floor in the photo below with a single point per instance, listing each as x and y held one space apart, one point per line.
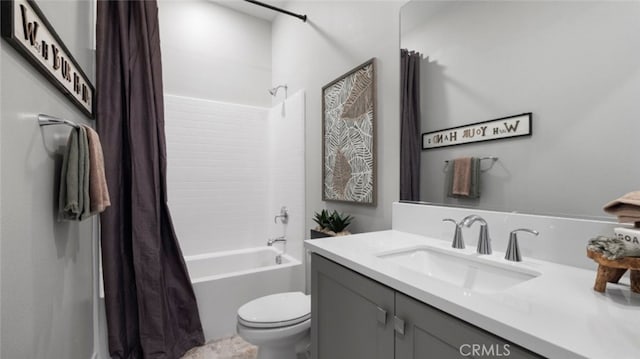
227 348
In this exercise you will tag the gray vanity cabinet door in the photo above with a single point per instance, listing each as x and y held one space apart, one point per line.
351 315
431 333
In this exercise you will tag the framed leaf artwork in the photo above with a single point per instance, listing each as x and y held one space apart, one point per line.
348 137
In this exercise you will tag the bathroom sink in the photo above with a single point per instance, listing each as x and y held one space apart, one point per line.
464 270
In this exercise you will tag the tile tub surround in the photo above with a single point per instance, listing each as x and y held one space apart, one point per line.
557 314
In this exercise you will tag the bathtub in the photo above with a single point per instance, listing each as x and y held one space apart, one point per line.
224 281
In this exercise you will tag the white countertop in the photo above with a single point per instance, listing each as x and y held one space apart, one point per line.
557 314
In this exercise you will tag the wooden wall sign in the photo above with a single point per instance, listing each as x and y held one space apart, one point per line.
26 28
505 127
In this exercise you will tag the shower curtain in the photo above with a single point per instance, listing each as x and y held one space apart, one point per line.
150 303
410 147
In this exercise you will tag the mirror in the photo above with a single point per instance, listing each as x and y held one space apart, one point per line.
574 65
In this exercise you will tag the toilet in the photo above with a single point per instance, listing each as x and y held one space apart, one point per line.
278 324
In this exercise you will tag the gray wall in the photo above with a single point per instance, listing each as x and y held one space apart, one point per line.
575 65
337 37
45 265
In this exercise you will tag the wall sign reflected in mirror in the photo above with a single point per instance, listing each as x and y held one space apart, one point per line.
505 127
576 65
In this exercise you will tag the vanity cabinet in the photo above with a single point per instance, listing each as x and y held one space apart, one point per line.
355 317
350 314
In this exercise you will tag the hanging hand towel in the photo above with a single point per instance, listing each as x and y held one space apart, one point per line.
461 185
98 190
83 156
463 178
68 200
73 200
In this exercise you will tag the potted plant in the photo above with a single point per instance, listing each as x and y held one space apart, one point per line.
330 224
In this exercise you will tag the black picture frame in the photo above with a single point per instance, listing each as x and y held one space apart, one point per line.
7 32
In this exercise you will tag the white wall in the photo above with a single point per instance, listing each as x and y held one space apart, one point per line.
575 65
212 52
337 37
46 265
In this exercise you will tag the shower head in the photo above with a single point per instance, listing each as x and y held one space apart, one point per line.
274 90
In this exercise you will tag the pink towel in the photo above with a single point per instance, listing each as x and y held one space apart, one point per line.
98 190
627 208
461 176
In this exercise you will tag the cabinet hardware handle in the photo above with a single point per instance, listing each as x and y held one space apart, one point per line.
382 316
398 325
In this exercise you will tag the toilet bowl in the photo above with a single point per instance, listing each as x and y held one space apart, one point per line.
278 324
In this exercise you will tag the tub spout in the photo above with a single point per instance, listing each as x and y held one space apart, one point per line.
270 242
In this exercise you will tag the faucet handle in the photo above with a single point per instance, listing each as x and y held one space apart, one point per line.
458 241
284 216
513 250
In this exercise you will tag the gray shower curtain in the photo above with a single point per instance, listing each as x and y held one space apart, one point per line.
410 147
151 306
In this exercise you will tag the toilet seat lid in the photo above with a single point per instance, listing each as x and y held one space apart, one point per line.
276 310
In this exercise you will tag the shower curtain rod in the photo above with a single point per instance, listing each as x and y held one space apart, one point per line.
301 17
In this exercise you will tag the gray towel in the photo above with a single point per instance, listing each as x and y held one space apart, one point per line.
85 165
474 186
613 248
73 200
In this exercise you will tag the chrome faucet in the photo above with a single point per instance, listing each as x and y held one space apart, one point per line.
271 241
513 250
284 216
484 241
458 241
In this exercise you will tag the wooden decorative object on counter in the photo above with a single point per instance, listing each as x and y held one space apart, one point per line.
612 270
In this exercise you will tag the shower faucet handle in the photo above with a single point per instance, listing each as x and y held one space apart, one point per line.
284 216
